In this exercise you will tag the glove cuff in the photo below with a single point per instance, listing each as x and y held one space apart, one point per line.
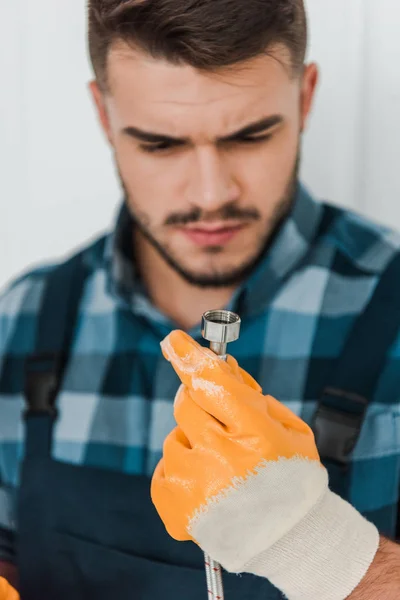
324 557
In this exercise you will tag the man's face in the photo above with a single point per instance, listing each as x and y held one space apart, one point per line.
208 160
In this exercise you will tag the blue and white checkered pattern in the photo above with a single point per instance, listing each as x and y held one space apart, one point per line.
116 403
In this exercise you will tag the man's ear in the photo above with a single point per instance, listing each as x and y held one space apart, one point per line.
98 98
309 85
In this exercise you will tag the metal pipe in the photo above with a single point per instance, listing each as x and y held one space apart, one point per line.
219 349
219 328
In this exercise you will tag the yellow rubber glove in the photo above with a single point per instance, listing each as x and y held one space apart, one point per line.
242 478
6 591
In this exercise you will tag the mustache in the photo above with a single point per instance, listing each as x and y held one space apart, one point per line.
228 213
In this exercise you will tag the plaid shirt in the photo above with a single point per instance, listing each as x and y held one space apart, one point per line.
116 401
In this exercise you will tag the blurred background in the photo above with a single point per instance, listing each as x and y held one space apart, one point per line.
57 184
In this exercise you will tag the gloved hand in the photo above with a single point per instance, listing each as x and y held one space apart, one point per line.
6 591
242 478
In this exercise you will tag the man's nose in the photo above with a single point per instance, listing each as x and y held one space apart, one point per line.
211 184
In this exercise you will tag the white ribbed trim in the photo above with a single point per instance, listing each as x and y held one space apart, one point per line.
324 557
283 523
255 512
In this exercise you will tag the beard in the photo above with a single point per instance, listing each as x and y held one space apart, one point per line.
234 275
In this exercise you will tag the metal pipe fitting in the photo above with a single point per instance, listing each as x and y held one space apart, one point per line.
220 327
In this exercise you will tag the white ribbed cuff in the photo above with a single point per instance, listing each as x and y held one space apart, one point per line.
324 557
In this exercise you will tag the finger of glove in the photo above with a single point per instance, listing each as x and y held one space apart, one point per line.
241 374
212 382
167 502
6 591
283 414
199 426
186 477
234 366
183 479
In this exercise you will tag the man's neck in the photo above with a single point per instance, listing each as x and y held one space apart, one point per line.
180 301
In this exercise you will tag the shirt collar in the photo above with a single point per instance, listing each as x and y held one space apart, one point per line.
291 245
289 248
119 256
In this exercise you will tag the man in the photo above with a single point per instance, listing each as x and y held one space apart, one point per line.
204 103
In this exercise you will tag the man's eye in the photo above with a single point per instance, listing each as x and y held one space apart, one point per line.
158 147
255 138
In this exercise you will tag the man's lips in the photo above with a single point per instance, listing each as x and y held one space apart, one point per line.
212 235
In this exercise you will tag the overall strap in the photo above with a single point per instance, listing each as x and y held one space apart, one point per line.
44 368
342 408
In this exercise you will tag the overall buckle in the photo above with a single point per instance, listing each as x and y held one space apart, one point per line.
337 429
42 384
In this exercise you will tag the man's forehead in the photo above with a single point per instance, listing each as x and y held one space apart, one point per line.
164 97
130 68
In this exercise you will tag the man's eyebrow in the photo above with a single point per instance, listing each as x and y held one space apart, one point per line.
254 128
149 137
260 126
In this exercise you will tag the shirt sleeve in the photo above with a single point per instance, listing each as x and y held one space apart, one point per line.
18 308
7 545
398 523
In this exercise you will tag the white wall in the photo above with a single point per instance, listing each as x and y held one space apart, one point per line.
352 148
57 185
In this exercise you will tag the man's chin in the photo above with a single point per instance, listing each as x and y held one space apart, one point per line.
212 280
218 276
206 268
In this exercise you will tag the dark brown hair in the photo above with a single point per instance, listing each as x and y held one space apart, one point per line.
206 34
